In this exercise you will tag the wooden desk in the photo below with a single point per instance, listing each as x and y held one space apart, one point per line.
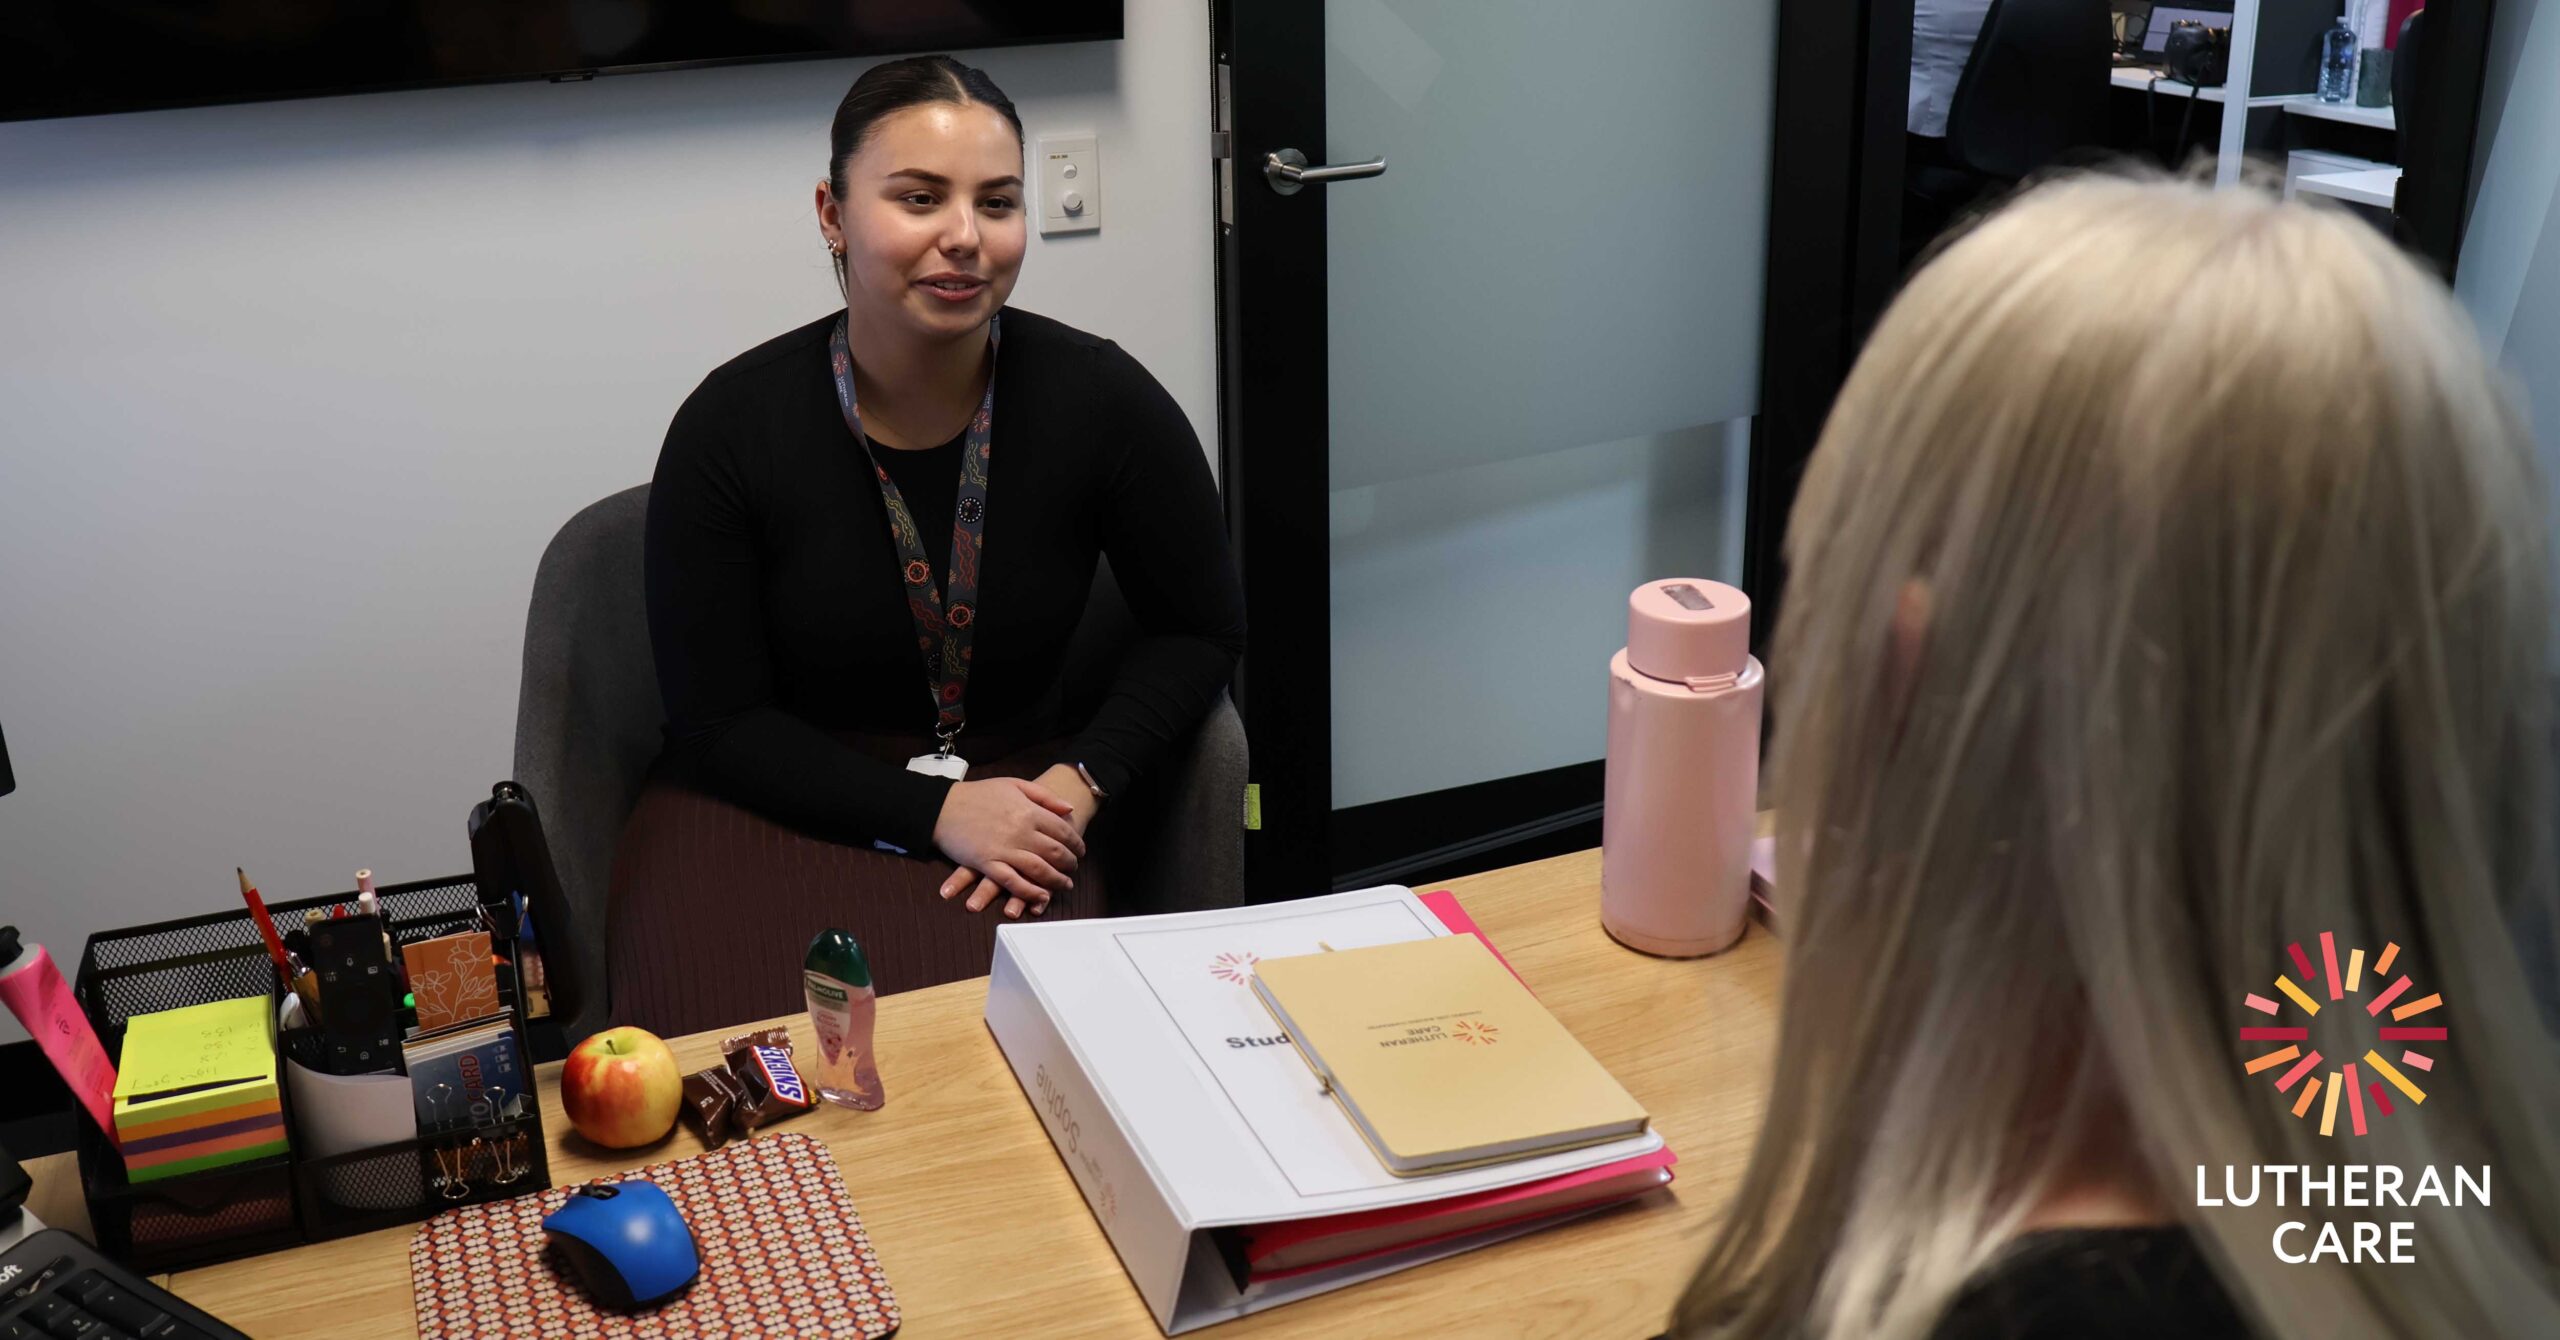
983 1232
2143 78
56 1198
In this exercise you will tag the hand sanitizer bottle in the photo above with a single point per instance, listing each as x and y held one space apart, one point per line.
842 1009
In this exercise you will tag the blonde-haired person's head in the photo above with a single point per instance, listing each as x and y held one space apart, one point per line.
2169 586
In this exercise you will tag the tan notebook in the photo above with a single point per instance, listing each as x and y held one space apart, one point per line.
1441 1057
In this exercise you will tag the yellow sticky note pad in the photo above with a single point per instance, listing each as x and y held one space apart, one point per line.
224 1041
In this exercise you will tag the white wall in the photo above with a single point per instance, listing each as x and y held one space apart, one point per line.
293 394
2509 277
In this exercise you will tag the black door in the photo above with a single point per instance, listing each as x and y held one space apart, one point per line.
1824 140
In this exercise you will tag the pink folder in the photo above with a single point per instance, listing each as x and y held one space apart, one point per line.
1453 914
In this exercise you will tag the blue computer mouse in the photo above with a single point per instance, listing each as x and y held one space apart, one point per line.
627 1243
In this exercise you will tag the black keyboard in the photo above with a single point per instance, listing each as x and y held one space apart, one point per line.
53 1286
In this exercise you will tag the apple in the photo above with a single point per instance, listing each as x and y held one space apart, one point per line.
622 1088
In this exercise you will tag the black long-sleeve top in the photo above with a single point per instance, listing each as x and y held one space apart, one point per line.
2094 1284
777 613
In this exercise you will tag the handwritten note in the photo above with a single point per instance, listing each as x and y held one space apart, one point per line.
216 1043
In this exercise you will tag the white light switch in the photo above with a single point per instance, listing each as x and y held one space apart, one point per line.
1069 169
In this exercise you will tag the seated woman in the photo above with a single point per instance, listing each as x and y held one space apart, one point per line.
2128 644
854 594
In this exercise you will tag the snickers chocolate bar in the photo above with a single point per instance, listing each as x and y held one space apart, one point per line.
756 1083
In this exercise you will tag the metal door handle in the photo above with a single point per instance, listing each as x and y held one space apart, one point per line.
1287 171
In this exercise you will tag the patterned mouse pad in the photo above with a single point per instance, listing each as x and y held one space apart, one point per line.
783 1254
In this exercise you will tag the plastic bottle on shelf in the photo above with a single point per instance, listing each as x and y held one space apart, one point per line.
2338 62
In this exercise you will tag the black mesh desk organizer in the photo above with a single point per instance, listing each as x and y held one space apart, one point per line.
223 1214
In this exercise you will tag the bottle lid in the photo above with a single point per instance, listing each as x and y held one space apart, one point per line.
834 954
1688 628
8 945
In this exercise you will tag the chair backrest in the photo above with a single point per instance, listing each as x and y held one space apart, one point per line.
589 720
588 716
2034 87
2410 110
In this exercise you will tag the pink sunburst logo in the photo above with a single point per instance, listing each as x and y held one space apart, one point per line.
2355 1080
1236 968
1471 1031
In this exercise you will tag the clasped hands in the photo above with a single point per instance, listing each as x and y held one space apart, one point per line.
1014 839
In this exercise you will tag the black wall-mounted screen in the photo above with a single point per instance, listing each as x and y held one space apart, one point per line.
77 57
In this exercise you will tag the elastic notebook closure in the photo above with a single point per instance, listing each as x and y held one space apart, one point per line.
1324 1081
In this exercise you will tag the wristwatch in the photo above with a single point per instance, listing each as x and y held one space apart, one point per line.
1091 785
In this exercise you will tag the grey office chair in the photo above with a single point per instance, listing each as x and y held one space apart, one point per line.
588 721
2034 88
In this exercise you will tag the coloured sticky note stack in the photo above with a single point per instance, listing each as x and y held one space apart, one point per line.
196 1089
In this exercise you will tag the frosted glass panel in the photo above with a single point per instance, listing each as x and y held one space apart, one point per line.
1475 611
1566 247
1544 327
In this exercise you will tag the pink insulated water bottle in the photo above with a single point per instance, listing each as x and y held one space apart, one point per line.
1683 771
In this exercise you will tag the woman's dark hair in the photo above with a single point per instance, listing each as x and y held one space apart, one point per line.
893 86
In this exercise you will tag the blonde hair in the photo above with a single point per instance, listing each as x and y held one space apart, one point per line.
2233 559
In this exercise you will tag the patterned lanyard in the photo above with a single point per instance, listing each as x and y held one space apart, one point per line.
945 626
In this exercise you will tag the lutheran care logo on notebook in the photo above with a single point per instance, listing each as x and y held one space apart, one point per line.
1417 1032
2361 1089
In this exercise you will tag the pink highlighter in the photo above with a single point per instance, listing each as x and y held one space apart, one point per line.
35 992
1683 771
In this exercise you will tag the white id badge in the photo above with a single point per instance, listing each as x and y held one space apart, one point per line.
940 765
